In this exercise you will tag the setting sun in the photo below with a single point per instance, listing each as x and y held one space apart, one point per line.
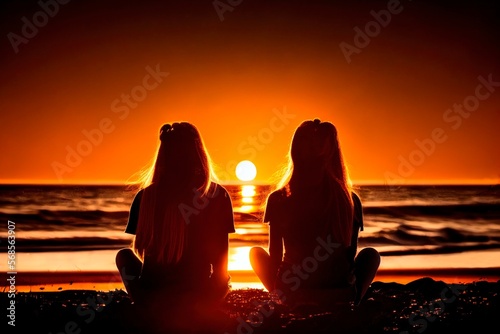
246 170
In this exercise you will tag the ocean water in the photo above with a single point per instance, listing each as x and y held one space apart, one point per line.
59 225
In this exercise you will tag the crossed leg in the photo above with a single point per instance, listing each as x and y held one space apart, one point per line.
261 265
130 267
366 265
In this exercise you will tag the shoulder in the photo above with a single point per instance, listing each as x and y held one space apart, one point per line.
278 195
138 196
355 198
218 191
219 199
358 211
140 192
221 188
358 206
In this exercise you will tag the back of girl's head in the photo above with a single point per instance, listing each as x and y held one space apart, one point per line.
182 160
182 165
316 159
315 150
314 142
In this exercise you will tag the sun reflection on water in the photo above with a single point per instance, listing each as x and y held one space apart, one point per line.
248 193
238 258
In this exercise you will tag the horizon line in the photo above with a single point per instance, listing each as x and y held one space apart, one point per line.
487 182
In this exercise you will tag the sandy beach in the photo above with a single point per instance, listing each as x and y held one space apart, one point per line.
397 302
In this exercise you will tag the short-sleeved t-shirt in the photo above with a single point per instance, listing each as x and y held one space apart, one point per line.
210 220
302 227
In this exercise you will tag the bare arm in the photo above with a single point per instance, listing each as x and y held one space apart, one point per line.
275 233
220 261
221 245
275 245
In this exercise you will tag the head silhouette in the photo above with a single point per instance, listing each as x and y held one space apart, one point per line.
316 161
182 161
315 151
181 171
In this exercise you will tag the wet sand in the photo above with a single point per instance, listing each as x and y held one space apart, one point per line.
110 280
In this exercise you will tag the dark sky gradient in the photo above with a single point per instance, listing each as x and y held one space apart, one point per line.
231 78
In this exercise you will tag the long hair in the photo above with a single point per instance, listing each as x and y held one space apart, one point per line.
315 156
181 170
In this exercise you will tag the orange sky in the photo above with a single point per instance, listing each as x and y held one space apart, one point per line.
247 82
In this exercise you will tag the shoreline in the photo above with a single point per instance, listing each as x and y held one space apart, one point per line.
240 279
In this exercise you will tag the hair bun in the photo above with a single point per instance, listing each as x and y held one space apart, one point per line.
164 130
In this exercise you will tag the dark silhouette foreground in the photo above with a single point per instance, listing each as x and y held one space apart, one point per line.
176 270
314 219
422 306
